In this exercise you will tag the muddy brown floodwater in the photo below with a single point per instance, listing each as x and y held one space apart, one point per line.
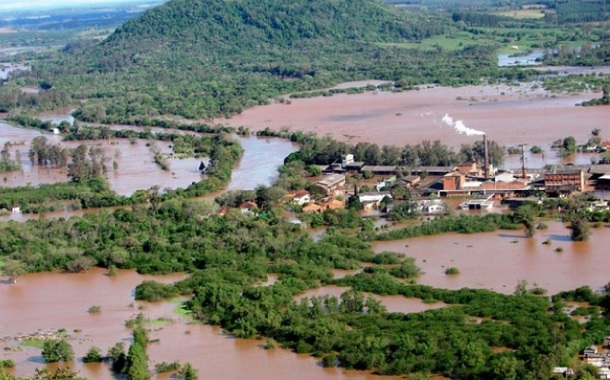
49 301
498 260
136 167
510 115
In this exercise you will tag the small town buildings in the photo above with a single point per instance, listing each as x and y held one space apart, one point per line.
479 203
381 169
328 203
248 207
301 197
374 196
565 372
388 182
331 183
432 170
409 182
600 176
599 206
432 206
453 181
347 159
590 350
347 164
371 201
564 180
332 204
469 168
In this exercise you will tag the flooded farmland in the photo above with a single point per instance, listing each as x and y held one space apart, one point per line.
63 300
499 260
136 168
508 114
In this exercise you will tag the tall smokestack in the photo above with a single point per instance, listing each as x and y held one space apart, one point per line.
485 158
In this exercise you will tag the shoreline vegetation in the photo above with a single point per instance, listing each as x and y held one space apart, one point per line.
250 53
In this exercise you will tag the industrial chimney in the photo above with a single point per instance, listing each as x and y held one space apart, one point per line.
485 158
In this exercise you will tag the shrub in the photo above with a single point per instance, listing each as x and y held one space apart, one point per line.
94 355
94 309
7 363
57 351
154 291
452 270
167 367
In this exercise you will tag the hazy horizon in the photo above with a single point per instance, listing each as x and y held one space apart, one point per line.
37 5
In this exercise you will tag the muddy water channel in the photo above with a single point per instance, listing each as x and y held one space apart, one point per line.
136 168
498 260
42 303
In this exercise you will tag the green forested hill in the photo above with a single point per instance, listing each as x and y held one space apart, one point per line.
205 58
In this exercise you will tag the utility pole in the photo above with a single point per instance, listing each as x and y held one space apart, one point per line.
523 173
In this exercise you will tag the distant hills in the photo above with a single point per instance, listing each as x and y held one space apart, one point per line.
205 58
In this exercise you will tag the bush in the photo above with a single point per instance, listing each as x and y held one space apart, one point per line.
153 291
7 363
94 309
94 355
57 351
452 270
329 361
167 367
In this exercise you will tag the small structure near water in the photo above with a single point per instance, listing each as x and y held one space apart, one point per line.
479 203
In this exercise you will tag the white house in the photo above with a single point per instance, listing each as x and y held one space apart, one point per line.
301 197
374 197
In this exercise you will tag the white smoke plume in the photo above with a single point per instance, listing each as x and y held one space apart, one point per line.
460 127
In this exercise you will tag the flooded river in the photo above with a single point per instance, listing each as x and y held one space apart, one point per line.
136 167
509 114
49 301
498 260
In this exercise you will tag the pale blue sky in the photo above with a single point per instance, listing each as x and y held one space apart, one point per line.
13 5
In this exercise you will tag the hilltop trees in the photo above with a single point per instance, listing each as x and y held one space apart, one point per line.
231 55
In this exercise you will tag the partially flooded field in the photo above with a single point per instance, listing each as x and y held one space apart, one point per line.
508 114
135 166
499 260
45 302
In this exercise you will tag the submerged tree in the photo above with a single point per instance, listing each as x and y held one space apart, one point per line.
580 229
188 372
57 351
12 269
525 215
